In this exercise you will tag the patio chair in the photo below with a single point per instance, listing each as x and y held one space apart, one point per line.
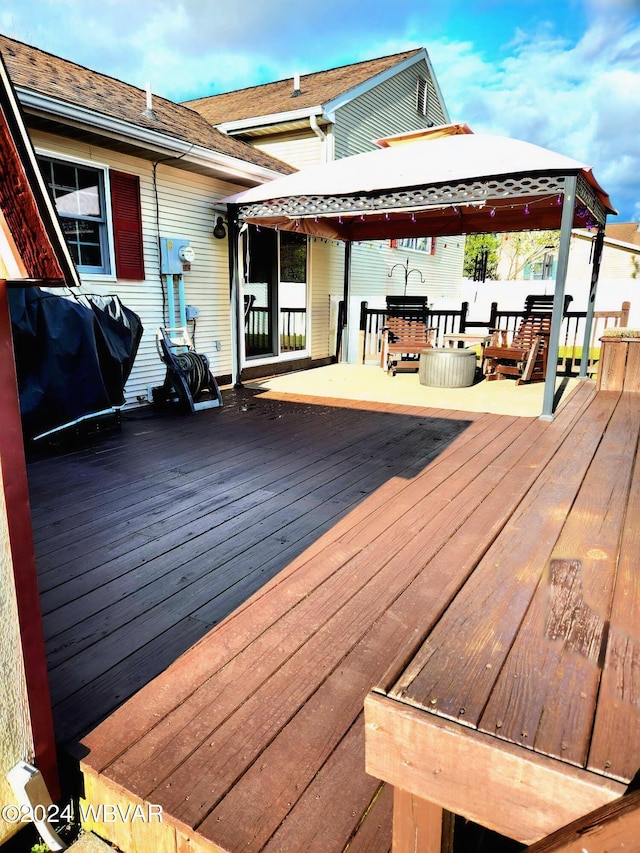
405 333
538 303
525 358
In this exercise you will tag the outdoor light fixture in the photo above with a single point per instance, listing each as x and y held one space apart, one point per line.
219 231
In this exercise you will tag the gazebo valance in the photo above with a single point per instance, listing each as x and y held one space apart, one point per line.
460 184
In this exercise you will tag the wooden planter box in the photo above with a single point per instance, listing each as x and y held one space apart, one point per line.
619 368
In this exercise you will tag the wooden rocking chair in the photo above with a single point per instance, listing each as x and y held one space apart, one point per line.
405 333
526 357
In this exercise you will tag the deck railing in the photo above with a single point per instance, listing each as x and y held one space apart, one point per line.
292 330
372 321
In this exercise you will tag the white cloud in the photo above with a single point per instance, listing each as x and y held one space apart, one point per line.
581 100
580 97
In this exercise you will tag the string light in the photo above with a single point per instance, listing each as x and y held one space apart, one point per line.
492 212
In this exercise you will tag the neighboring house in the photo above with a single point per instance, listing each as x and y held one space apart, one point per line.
126 171
311 119
618 279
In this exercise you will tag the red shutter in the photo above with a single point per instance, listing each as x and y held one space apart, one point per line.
127 225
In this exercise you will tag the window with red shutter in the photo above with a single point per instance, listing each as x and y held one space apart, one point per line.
127 225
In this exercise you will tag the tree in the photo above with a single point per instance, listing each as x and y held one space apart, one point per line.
524 248
481 257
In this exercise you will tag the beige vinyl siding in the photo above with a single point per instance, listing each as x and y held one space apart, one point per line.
617 261
299 149
185 202
326 269
384 110
373 276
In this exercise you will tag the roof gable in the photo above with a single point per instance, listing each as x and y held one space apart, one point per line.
36 71
32 244
279 97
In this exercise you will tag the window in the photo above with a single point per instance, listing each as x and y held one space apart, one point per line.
417 244
79 193
422 96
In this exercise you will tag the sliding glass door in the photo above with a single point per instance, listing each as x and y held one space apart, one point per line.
275 294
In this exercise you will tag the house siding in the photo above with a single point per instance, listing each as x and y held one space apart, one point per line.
326 271
185 205
374 276
300 149
384 110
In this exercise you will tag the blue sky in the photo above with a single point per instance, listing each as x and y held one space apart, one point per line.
564 74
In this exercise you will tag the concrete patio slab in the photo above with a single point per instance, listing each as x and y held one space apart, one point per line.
372 384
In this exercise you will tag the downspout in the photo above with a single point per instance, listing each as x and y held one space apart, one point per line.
313 124
568 205
322 136
595 272
237 316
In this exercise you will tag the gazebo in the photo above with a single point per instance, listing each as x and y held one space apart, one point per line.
445 181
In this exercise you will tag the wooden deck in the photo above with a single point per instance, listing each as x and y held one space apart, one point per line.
333 536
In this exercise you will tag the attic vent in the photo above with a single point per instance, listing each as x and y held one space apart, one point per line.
422 96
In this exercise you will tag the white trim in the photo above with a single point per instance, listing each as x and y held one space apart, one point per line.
301 114
609 241
195 154
259 361
336 103
437 89
106 172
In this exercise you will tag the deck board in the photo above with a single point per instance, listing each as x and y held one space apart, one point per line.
310 549
574 622
109 577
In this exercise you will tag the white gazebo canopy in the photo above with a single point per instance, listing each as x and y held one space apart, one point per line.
443 181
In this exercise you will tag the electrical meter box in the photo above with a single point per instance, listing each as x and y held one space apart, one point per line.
176 255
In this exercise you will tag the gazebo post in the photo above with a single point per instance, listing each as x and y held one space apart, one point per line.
591 304
237 316
346 289
568 204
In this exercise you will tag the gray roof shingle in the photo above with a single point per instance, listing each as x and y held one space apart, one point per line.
37 71
278 97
